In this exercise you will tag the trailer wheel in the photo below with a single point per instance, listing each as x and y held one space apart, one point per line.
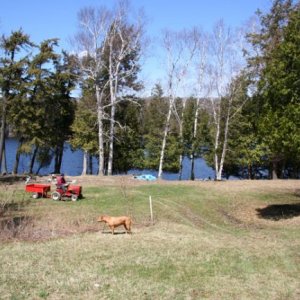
36 195
74 197
55 196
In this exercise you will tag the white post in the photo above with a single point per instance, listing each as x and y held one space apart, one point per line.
151 211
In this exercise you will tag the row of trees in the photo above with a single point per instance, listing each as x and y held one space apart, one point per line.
36 83
229 96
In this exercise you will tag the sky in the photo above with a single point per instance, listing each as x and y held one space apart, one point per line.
43 19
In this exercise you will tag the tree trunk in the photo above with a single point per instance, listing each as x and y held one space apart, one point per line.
274 170
216 157
192 177
111 140
38 169
195 127
249 171
84 163
181 140
100 131
113 86
2 131
180 166
90 163
16 165
225 142
164 142
58 158
4 164
17 160
32 161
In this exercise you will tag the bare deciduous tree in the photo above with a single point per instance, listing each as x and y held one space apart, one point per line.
110 48
180 49
201 91
225 67
93 32
124 43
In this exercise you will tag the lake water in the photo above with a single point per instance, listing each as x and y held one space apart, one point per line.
72 164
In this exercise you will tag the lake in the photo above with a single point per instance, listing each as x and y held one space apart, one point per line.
72 164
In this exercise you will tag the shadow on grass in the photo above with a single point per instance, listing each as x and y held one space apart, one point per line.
278 212
115 233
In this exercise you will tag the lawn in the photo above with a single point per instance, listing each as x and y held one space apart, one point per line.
208 241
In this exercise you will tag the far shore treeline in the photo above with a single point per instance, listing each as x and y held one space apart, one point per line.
231 95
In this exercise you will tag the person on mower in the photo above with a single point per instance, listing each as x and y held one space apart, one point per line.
61 182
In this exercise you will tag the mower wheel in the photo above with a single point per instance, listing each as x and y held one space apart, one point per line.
36 195
74 197
55 196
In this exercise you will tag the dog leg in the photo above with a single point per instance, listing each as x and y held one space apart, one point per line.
128 229
112 228
125 228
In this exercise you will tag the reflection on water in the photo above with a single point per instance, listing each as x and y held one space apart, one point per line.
72 164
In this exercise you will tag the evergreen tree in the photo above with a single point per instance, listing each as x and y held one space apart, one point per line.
155 110
62 105
12 72
43 112
84 127
128 150
277 97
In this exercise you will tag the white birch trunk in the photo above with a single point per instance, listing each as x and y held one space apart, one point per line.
224 146
216 156
128 43
100 131
112 112
111 143
181 140
164 141
195 127
111 139
84 163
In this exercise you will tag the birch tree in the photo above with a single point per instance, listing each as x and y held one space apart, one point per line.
201 91
123 50
110 47
180 48
94 26
226 66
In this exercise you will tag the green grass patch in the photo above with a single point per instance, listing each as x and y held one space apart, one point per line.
195 249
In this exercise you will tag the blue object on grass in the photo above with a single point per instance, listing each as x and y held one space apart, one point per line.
147 177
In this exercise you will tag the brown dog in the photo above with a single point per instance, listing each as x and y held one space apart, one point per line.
113 222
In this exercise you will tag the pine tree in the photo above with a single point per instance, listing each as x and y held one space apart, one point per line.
12 72
84 127
277 97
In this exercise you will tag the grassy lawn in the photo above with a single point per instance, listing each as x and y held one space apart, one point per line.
208 242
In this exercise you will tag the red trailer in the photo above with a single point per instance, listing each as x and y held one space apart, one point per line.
38 190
